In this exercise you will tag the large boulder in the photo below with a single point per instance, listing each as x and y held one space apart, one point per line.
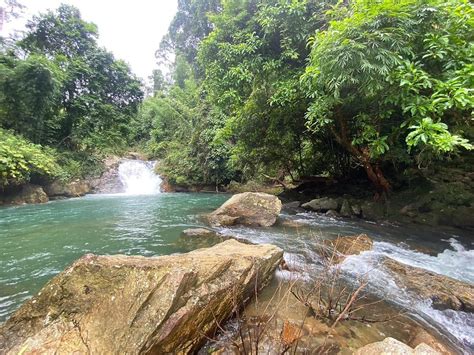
391 346
323 204
27 194
248 208
444 292
133 304
67 189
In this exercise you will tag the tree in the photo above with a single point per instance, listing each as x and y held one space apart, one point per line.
385 72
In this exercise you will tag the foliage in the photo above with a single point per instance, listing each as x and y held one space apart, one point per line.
58 88
389 71
21 160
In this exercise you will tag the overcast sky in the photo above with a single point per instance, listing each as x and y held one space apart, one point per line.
132 30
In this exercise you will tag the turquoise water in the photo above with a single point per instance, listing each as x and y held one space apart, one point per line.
39 241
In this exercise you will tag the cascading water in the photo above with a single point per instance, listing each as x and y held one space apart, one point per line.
452 259
138 177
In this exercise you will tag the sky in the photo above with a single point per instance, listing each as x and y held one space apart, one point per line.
132 30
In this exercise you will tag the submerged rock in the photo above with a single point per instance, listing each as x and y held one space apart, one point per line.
248 208
70 189
341 247
443 291
323 204
394 347
134 304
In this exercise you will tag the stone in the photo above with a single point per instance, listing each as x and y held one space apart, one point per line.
421 337
291 223
249 208
339 248
198 232
321 204
443 291
332 214
373 210
346 210
109 181
292 207
196 238
71 189
391 346
356 210
134 304
28 194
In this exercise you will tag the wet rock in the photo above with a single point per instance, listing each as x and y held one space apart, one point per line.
462 217
332 214
292 207
109 182
248 208
422 336
394 347
346 210
291 223
443 291
28 194
356 210
199 232
323 204
373 210
134 304
67 189
341 247
196 238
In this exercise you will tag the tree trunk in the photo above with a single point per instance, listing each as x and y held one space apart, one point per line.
373 170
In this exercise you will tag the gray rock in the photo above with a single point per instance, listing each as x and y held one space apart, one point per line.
332 214
346 210
321 204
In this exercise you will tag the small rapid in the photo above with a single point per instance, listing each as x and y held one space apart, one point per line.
442 252
138 177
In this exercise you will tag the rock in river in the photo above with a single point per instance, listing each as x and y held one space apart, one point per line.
443 291
390 346
249 208
341 247
133 304
323 204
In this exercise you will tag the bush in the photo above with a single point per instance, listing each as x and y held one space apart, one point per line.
20 160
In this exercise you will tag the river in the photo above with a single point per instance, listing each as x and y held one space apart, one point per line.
39 241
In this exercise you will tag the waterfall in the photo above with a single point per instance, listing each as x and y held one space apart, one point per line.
138 177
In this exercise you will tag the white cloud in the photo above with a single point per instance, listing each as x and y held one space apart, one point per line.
132 30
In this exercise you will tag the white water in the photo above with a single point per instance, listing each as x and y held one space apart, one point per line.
456 263
138 177
452 259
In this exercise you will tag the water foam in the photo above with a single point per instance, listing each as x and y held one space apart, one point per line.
138 177
456 263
